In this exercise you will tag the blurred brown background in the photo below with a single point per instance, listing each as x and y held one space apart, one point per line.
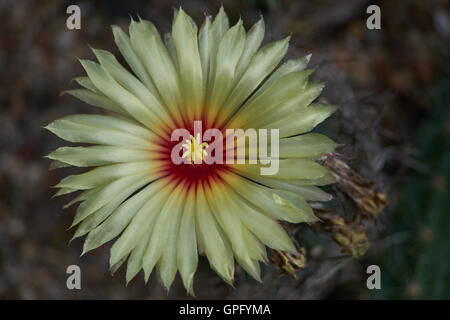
382 79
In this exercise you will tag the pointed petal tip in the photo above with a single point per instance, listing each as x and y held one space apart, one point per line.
257 278
73 224
231 283
191 293
312 69
189 284
87 248
112 263
82 61
190 288
129 276
75 79
146 275
71 239
166 287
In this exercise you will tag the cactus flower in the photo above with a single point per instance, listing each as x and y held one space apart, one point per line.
162 215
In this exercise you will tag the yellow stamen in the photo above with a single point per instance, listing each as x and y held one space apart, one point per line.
195 150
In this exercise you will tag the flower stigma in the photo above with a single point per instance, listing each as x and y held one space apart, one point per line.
195 149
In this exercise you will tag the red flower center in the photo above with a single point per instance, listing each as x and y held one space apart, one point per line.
190 173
